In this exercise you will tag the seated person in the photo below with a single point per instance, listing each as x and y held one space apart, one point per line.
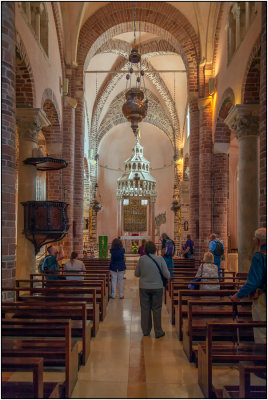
74 265
208 270
49 264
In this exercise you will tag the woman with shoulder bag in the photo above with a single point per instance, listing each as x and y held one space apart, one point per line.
208 270
151 270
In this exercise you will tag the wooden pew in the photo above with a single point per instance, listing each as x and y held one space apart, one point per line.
172 301
55 352
77 312
186 295
31 390
202 311
63 295
209 353
95 284
245 390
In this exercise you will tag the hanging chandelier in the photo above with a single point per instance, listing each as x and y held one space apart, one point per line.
135 107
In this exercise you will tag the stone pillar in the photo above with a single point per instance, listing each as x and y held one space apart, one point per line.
244 120
119 217
263 121
220 191
29 121
8 189
205 174
247 14
194 172
68 173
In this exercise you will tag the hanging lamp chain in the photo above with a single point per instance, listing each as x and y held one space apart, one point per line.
134 22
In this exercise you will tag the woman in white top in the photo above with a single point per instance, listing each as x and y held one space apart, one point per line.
208 270
74 265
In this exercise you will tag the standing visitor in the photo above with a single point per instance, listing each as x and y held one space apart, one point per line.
168 251
117 267
141 250
75 265
256 284
151 289
188 249
217 249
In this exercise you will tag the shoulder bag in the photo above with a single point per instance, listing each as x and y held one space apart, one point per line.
164 280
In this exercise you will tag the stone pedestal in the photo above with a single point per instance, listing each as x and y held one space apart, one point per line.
29 121
244 120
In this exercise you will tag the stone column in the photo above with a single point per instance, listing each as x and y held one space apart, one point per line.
8 107
29 121
244 120
194 171
119 216
68 173
152 212
205 174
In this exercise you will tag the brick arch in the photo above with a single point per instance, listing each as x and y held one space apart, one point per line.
171 23
25 86
251 82
49 95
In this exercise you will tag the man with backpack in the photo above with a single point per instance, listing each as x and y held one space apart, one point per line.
49 265
217 249
168 251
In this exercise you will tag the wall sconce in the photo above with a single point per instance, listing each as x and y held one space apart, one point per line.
211 86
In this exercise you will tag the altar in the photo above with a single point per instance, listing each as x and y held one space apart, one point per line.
129 240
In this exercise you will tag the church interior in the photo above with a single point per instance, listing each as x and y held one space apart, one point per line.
130 120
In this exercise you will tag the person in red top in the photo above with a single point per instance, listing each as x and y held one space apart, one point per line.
141 250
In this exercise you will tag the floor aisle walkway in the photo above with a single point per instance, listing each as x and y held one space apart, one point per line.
124 364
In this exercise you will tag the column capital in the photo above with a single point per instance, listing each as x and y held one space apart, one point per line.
204 102
244 120
70 101
30 121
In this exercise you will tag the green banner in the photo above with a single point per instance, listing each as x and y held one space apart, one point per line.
103 246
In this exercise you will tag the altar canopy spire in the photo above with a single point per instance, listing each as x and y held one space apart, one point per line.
136 181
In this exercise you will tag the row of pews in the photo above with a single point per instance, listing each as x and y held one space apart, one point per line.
49 326
213 330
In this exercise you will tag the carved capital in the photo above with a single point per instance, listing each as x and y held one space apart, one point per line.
70 101
30 121
244 120
204 103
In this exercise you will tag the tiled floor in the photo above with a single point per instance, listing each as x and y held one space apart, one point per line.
124 364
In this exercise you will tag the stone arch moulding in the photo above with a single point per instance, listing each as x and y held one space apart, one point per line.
24 56
181 31
227 101
253 54
49 95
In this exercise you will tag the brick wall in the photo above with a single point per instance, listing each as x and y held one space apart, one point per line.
8 98
194 172
252 87
205 176
263 119
24 94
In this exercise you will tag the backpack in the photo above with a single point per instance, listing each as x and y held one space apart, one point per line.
41 265
219 251
169 248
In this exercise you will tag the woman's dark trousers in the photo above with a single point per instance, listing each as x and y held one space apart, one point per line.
151 303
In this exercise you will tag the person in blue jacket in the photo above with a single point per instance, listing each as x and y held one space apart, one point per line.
214 246
256 284
117 267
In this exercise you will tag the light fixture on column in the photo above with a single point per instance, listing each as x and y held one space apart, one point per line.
211 86
135 107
